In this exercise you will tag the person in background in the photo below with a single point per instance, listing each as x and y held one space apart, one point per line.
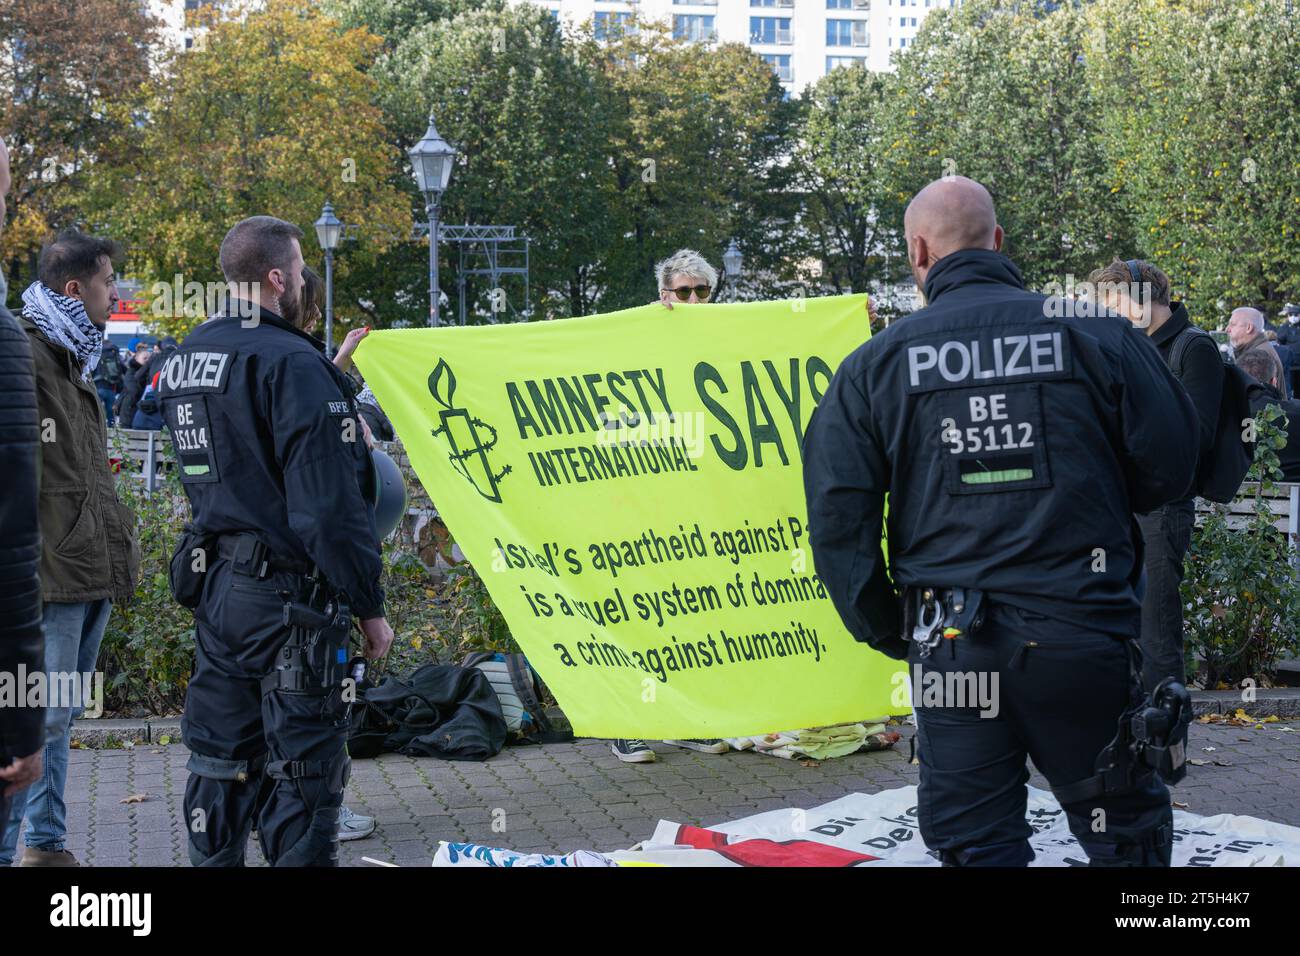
148 411
1139 291
1246 333
89 554
22 645
133 384
685 276
352 825
313 300
1288 334
372 416
1285 355
1264 391
109 379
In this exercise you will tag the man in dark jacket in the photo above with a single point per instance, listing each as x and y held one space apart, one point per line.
1246 333
272 459
1140 291
22 646
1263 392
1014 441
89 556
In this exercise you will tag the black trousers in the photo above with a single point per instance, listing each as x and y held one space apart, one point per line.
1166 536
1054 694
278 759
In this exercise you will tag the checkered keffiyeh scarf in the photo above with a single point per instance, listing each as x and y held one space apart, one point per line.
63 321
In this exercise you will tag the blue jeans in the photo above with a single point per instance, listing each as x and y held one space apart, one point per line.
107 396
72 636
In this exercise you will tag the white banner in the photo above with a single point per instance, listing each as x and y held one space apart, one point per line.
881 829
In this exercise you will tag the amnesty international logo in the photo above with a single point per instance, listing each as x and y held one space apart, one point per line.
470 438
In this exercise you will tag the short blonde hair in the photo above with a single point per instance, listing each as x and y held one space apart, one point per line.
685 262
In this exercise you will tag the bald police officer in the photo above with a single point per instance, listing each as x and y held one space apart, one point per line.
1014 441
280 556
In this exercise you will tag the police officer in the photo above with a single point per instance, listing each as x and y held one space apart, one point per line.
1014 442
279 556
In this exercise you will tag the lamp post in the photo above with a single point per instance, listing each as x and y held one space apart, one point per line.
328 233
732 260
431 161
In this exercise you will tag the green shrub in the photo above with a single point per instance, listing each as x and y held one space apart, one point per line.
1241 597
148 650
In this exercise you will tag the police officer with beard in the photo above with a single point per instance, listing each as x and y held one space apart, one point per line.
275 563
1014 441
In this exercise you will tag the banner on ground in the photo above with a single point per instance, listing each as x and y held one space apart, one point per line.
881 829
629 486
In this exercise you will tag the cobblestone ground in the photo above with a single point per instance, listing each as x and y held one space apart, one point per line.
564 797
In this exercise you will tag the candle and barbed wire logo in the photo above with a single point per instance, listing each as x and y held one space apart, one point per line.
470 438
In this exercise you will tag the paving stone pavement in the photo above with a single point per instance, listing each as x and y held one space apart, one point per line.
564 797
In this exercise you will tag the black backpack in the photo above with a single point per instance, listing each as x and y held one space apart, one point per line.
108 371
517 687
1220 474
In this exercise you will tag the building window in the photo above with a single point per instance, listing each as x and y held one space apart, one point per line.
839 4
606 24
903 42
696 27
835 62
846 32
769 30
780 64
771 3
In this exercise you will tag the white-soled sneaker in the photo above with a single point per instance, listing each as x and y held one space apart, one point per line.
632 751
353 826
711 745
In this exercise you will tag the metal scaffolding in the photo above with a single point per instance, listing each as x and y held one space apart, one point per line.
492 251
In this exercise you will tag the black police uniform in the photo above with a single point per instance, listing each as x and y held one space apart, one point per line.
273 459
1014 444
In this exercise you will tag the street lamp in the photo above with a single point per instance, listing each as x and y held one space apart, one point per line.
732 260
431 161
328 233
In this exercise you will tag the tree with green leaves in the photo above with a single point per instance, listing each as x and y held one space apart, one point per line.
62 66
698 151
270 115
530 129
999 90
851 224
1199 107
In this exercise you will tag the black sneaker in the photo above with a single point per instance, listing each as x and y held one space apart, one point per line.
710 746
632 751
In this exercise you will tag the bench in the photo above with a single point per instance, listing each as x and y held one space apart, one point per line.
1282 500
147 454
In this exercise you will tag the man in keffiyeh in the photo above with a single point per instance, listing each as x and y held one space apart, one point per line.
74 316
89 556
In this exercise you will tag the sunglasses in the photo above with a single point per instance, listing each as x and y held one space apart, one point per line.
683 293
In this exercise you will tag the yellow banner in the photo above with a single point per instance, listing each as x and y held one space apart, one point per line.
629 486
